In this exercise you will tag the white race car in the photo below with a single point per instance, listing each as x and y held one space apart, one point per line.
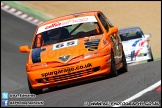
136 44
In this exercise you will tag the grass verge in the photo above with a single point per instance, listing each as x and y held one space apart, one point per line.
28 10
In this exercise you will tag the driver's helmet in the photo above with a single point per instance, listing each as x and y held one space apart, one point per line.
55 33
138 34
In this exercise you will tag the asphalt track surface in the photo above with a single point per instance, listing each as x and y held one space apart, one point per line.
16 32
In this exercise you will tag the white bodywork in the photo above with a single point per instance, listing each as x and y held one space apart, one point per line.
137 49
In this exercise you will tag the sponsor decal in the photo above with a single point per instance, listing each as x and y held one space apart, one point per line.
65 70
66 23
135 43
132 54
65 44
92 44
64 58
56 24
135 53
113 39
142 43
104 42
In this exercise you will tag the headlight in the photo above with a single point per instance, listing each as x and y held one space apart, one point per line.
39 64
96 54
36 66
89 55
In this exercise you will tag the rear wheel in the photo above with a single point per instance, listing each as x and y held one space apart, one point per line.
114 72
124 68
32 90
152 59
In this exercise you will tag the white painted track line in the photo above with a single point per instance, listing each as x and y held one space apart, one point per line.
141 93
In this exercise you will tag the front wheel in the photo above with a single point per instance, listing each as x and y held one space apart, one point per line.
32 90
152 59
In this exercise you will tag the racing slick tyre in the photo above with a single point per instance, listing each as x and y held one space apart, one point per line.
114 72
124 68
33 91
152 59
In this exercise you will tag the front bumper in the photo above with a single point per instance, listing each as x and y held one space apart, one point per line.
50 77
143 54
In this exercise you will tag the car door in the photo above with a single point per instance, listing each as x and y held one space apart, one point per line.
118 46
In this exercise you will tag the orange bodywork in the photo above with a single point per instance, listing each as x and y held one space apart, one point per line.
81 64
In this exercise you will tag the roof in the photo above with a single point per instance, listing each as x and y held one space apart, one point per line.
130 27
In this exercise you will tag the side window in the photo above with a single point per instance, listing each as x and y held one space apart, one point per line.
108 21
103 22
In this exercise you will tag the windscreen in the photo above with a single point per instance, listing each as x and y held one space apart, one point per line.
131 33
73 29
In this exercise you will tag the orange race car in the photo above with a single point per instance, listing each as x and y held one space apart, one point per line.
72 48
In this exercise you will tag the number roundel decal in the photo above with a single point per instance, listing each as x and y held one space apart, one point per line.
65 44
59 45
70 43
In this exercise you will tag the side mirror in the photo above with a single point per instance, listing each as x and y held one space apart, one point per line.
24 49
113 30
147 35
